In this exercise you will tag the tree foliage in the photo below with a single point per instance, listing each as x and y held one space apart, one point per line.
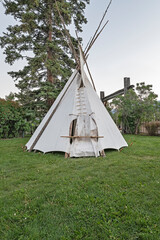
38 39
135 107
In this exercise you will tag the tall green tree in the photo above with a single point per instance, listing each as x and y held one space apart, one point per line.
38 39
136 107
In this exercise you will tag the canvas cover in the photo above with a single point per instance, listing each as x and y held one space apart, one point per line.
94 129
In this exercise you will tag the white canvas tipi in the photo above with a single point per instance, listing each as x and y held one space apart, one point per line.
77 123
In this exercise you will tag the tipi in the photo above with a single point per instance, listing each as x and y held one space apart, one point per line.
77 123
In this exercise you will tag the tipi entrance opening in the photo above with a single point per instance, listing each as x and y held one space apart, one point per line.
72 129
83 136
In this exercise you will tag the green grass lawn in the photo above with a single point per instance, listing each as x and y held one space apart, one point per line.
47 197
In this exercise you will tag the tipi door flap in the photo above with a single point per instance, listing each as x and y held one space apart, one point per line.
82 145
94 132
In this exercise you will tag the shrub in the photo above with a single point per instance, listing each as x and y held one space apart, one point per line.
12 122
152 127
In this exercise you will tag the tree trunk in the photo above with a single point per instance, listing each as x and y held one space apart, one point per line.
49 53
137 127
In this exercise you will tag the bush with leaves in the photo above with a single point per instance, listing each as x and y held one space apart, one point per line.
136 107
152 127
12 121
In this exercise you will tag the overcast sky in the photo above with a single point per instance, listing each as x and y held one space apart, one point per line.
128 47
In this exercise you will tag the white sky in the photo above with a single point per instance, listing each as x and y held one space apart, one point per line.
128 47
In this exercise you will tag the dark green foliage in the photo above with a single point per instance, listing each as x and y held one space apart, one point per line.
136 107
10 97
157 112
12 121
52 198
37 38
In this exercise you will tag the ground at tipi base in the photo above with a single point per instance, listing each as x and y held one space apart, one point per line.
50 197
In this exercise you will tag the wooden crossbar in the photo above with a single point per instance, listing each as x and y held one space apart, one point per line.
82 136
